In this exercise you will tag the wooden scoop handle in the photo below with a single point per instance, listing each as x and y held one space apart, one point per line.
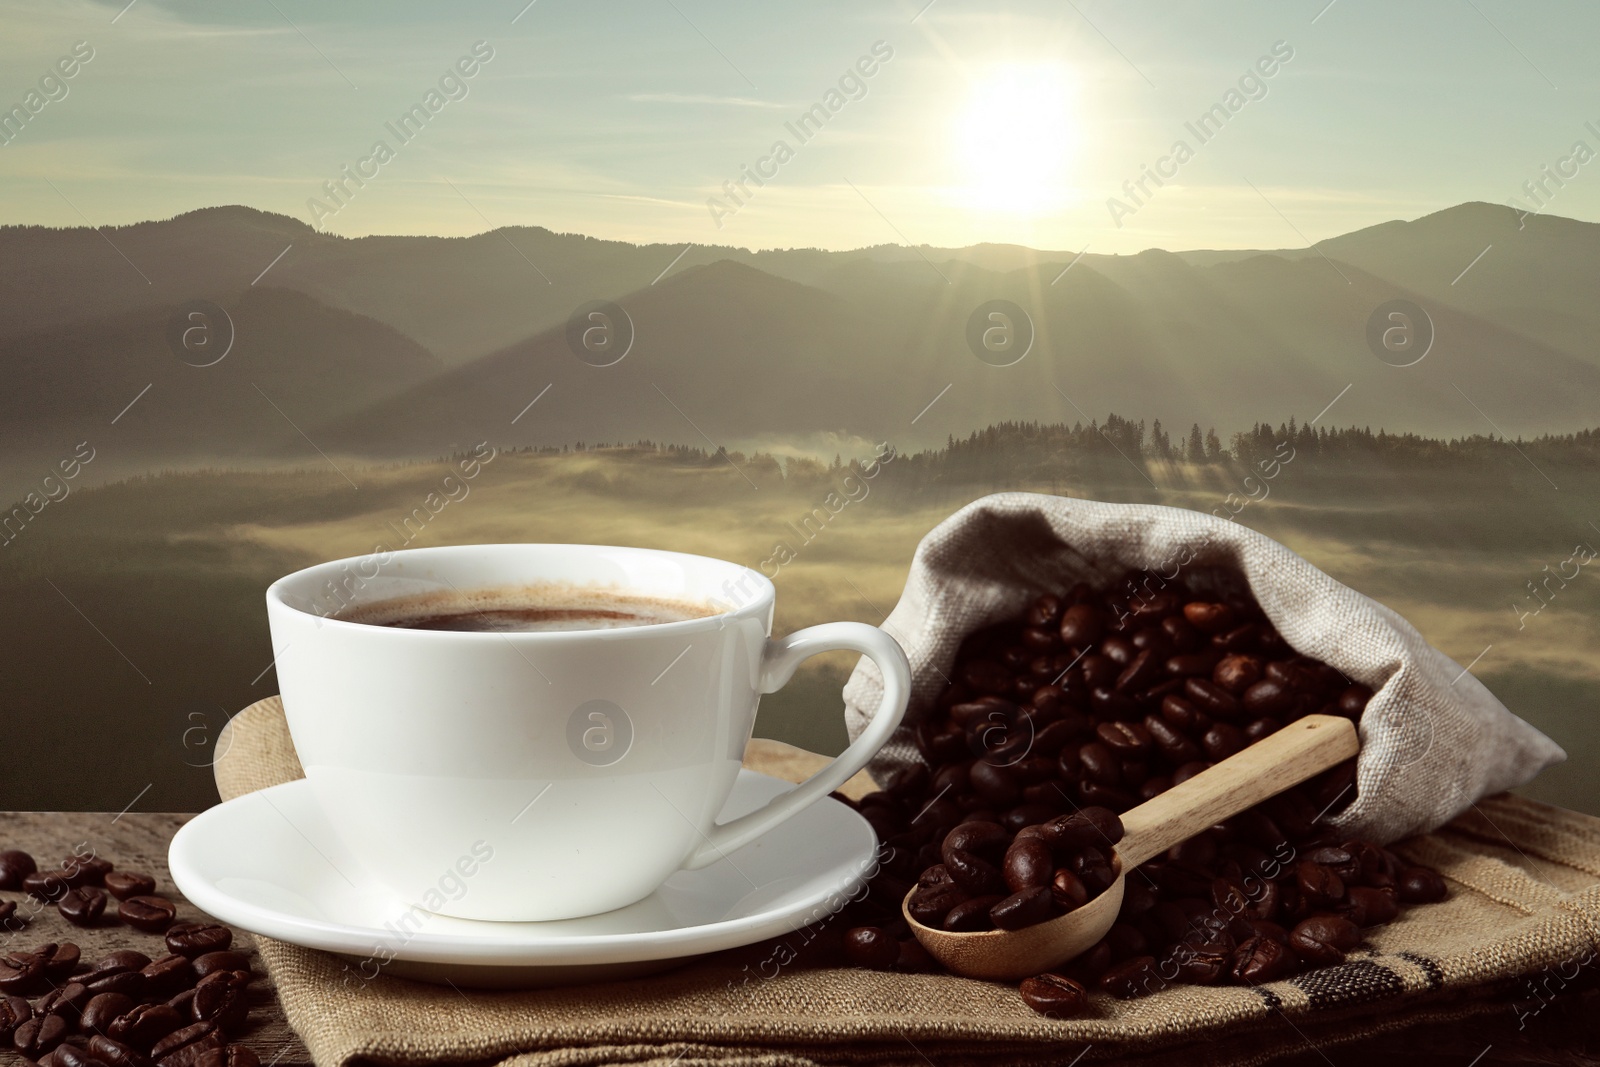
1304 748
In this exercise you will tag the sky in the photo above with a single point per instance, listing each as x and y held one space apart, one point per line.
947 123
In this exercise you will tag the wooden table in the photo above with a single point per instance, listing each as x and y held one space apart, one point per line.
1565 1032
135 841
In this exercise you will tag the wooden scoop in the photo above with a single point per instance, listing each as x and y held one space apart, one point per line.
1300 750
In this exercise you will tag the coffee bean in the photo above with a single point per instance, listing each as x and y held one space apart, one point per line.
15 865
1186 664
1319 886
1151 639
1353 701
1046 611
169 974
1267 697
82 906
1211 698
1028 863
1222 741
972 915
14 1011
864 946
220 997
184 1037
1144 670
1154 787
930 906
1041 639
975 875
1054 996
1068 890
1260 728
1111 797
1023 908
1322 940
132 983
144 1024
1370 907
1338 860
1136 977
1125 739
222 960
1242 638
1119 651
39 1035
149 913
1262 959
47 887
1096 878
1100 764
938 742
1081 625
115 1053
73 1056
1209 617
1204 964
1183 715
1169 742
125 884
1418 885
102 1008
1237 672
995 784
66 1001
1370 865
59 960
1182 635
195 1054
22 973
182 1003
125 959
1287 674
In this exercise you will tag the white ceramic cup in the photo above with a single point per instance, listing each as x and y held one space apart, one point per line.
549 774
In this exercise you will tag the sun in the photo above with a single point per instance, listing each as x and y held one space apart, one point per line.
1016 137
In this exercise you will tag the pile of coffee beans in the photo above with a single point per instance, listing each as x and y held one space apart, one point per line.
1085 706
126 1010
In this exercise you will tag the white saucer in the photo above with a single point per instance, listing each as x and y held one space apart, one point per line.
268 862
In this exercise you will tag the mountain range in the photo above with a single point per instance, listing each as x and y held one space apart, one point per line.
393 347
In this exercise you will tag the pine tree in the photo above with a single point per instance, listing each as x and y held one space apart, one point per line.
1197 449
1213 446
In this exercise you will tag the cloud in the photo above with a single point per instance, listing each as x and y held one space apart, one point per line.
700 98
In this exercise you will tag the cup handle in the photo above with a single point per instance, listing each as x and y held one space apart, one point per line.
779 662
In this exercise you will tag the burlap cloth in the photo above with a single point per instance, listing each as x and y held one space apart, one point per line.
1433 738
1525 900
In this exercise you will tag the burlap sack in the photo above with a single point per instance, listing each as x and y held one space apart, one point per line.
1433 739
1523 914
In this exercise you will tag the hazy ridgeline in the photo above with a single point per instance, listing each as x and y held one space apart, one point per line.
137 625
